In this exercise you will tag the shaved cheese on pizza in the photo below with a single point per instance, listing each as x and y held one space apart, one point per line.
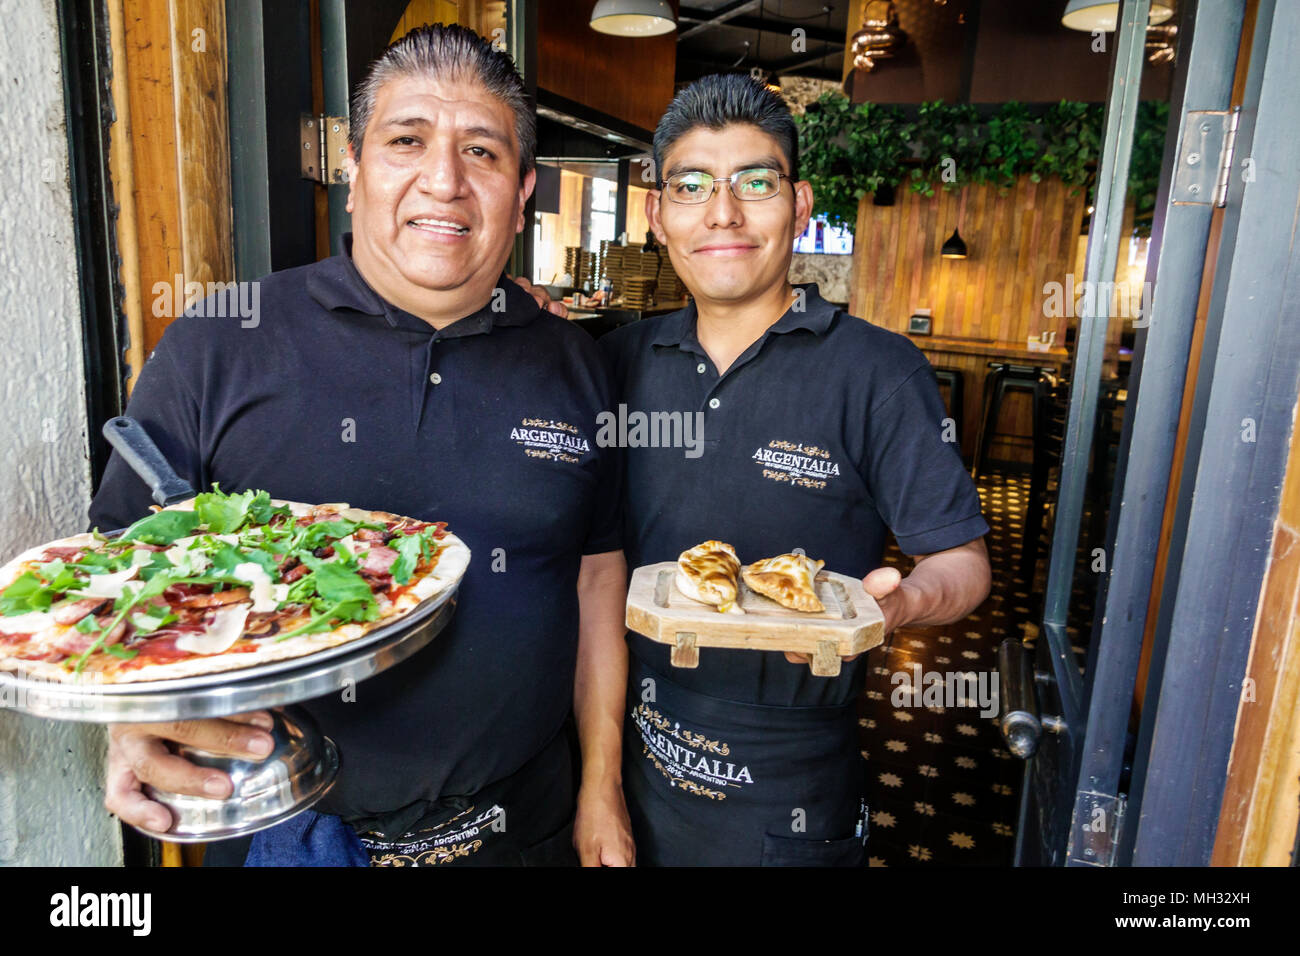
108 585
259 584
788 579
710 573
185 560
29 623
225 627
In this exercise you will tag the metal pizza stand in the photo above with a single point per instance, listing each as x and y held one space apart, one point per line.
303 763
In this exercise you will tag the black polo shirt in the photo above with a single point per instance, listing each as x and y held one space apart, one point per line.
335 395
824 435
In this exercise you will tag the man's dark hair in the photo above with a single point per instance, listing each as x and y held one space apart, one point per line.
449 52
723 98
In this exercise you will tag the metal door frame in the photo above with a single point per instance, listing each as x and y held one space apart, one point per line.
1230 488
1248 377
1209 37
1064 688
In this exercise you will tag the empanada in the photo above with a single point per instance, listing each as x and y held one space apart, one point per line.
710 573
788 579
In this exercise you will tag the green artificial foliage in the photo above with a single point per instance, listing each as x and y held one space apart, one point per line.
850 152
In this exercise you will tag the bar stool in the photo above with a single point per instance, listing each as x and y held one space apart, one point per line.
955 380
1051 411
1005 377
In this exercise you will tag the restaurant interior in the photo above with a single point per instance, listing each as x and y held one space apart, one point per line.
976 164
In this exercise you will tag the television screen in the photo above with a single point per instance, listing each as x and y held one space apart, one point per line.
821 236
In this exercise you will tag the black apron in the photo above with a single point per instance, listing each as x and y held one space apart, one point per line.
713 782
525 819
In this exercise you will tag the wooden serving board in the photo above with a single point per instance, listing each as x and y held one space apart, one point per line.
852 622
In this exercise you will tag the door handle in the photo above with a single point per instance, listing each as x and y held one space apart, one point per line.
1018 716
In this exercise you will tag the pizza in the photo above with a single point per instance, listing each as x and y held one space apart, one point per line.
220 582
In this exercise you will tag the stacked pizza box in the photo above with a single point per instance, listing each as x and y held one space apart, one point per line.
611 267
582 265
670 286
623 264
638 292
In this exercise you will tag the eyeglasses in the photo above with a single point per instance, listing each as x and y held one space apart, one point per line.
749 185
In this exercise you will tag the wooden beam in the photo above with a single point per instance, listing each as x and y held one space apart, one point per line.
173 115
203 139
121 166
153 149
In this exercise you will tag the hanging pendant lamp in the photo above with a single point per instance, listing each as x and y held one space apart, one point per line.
1092 15
954 248
633 18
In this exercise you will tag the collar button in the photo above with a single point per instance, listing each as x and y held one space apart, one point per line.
700 368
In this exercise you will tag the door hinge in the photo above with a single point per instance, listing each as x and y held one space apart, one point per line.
1206 144
323 144
1095 829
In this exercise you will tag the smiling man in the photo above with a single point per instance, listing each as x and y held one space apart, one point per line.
822 433
395 376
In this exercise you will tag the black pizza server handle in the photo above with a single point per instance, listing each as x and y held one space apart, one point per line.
138 450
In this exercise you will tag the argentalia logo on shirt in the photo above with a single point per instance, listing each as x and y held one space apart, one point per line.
545 438
689 761
804 466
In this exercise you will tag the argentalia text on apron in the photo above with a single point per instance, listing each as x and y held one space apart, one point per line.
722 783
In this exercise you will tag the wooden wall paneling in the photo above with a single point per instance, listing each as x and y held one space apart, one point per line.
941 271
173 61
121 164
1261 799
629 78
1010 319
1004 234
203 141
1019 239
420 12
1259 770
1027 318
153 149
983 209
911 250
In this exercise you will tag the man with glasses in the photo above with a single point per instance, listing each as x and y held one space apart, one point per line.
822 433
